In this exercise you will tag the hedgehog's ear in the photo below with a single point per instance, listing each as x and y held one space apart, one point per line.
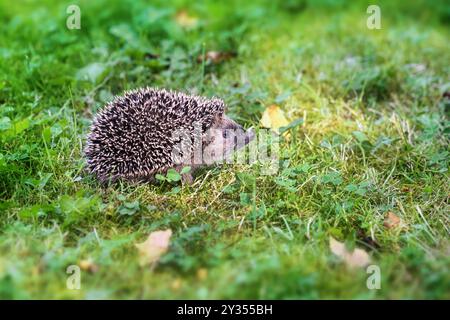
218 120
208 134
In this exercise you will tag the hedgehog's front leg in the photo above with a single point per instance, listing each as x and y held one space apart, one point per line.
187 178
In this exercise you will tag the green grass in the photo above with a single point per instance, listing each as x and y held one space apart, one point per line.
375 139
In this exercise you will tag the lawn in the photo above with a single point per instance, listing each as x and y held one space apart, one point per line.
366 166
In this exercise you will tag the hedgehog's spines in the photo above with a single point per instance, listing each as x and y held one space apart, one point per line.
130 137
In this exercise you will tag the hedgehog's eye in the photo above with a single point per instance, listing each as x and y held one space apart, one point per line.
225 134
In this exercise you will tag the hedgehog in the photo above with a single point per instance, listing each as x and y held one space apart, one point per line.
149 131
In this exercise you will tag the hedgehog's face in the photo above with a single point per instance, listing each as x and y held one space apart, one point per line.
224 137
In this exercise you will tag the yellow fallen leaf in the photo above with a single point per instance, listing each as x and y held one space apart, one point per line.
274 118
185 20
176 284
35 271
357 258
88 265
338 248
154 247
202 274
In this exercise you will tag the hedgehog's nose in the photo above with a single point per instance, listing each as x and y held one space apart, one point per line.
249 135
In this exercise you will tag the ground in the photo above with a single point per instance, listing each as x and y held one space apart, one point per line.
372 145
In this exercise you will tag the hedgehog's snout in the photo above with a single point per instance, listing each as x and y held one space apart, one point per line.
249 135
243 137
239 138
234 133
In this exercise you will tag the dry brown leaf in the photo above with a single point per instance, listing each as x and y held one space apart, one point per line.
215 57
391 220
185 20
446 94
405 189
154 247
274 118
357 258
